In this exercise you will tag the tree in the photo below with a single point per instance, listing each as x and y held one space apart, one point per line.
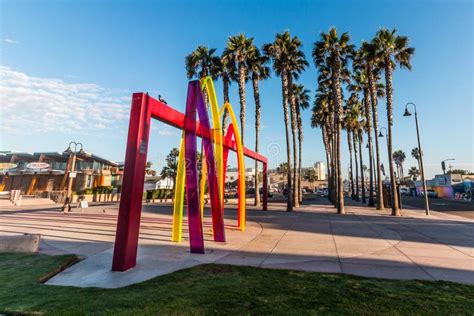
148 170
413 172
415 153
228 73
282 169
239 48
201 63
459 171
257 65
335 51
302 100
360 83
284 52
369 61
399 157
392 49
170 169
321 118
310 176
351 124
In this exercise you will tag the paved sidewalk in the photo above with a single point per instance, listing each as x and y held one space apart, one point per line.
362 242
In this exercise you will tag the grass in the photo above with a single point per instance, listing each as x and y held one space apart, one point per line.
225 289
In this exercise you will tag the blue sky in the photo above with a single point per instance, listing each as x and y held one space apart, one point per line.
69 68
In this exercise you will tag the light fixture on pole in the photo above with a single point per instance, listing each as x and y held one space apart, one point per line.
443 165
71 173
425 192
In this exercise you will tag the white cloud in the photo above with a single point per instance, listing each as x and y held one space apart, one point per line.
11 41
32 105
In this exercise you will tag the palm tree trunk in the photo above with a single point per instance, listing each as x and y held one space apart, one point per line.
351 176
373 98
361 167
300 191
336 87
356 165
284 88
256 96
225 116
242 99
368 116
389 91
292 99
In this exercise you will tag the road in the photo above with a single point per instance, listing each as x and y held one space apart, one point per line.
460 208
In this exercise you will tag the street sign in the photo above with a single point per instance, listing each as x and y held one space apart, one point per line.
72 174
7 165
37 165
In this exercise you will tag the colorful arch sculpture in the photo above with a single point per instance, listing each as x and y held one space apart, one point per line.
215 153
214 158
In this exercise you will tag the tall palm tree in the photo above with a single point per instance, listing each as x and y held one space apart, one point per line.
392 49
414 173
321 118
399 157
228 73
369 60
257 66
360 84
336 50
239 48
284 51
360 138
415 153
201 63
351 122
302 100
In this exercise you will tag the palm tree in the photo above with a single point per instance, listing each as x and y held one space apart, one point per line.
351 123
228 73
302 103
360 83
415 153
296 64
414 173
335 50
392 49
283 170
201 63
399 157
369 62
239 48
285 53
320 118
257 65
360 139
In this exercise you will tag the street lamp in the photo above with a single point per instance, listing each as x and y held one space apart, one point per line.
443 165
384 135
425 192
71 174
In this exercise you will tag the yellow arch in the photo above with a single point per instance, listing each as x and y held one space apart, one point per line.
240 161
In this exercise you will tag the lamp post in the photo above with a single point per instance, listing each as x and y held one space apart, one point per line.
71 174
443 165
425 193
384 135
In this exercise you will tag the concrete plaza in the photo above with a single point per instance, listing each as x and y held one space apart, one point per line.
363 242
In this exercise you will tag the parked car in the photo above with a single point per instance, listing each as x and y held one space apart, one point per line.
431 193
269 193
325 193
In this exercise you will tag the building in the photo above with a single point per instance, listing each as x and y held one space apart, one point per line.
448 186
320 168
46 171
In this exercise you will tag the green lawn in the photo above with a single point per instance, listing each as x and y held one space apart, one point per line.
223 289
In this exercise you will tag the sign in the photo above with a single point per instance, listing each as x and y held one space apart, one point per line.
72 174
7 165
37 165
83 204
